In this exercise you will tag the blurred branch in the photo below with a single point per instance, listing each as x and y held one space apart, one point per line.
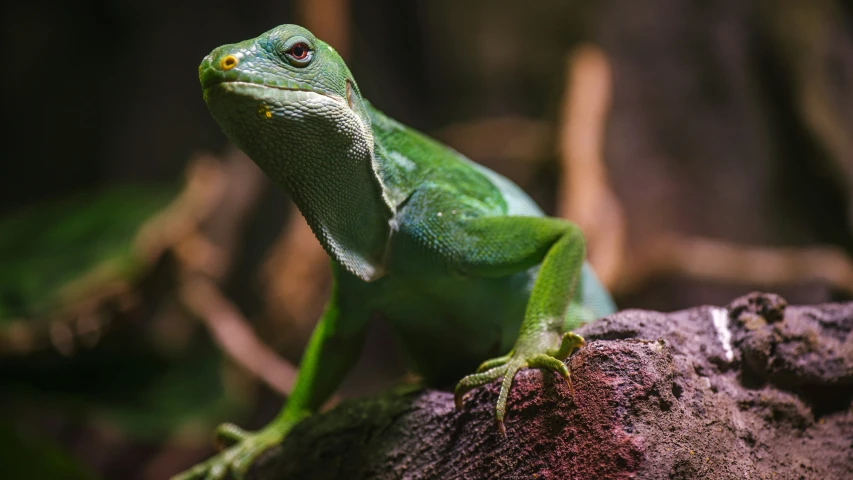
300 255
203 190
296 279
587 199
205 257
229 187
585 195
90 302
802 32
720 261
233 334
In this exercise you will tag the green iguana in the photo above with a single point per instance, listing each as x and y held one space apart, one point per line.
457 258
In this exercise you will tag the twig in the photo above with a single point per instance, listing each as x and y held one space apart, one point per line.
296 277
585 195
233 334
715 260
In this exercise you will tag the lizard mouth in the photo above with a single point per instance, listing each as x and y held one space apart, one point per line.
234 85
212 82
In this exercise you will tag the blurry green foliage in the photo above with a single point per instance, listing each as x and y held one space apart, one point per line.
37 458
45 247
126 384
127 380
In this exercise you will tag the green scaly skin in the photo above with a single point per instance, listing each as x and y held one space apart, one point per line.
457 258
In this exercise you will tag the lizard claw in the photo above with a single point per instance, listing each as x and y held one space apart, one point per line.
237 458
475 380
228 434
568 344
507 366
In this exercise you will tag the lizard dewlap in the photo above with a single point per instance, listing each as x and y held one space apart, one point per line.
458 259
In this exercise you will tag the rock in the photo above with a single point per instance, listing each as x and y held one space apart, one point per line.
755 390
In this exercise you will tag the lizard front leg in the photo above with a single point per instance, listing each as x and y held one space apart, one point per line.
334 347
494 246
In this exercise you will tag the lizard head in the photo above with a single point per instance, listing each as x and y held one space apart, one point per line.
286 98
289 101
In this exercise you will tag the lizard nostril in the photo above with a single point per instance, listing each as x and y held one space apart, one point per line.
228 62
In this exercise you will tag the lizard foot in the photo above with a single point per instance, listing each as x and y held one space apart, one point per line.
507 366
239 449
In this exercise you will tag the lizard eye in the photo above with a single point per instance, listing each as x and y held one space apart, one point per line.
299 54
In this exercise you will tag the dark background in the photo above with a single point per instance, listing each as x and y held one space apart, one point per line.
725 142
